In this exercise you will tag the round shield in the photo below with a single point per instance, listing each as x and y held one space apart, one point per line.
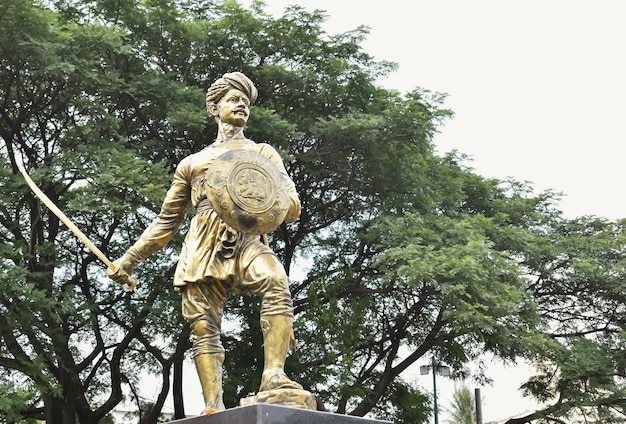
247 191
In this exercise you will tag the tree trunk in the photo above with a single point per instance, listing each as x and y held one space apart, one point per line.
177 389
58 410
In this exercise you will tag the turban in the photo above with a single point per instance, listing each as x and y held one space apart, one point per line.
233 80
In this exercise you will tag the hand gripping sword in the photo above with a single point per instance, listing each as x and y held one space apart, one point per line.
128 282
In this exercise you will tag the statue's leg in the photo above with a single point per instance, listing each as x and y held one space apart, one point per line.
209 368
266 277
277 337
202 307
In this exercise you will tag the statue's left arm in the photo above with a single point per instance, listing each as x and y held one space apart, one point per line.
294 200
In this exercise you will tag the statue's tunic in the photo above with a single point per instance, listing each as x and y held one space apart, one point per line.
212 250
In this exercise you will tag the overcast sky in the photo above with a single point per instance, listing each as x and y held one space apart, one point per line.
538 88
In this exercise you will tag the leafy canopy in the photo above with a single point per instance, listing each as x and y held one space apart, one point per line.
406 253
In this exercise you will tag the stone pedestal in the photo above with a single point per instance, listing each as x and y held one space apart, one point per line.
274 414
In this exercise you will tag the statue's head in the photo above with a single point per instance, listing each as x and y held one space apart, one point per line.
230 97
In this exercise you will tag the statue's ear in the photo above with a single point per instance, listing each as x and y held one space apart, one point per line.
212 108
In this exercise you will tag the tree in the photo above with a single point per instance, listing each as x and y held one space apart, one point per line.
97 104
463 407
68 335
413 253
579 289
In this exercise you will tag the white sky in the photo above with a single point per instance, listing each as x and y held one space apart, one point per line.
538 88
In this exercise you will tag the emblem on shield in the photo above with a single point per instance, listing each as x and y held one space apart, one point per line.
247 191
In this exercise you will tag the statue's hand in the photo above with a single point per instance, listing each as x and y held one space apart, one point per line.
122 273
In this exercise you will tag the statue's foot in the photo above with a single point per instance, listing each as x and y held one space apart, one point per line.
277 379
210 408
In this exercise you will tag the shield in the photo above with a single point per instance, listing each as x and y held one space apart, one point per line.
247 191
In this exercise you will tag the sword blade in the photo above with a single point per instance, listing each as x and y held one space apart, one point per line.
59 213
129 282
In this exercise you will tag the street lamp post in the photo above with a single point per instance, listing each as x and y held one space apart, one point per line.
436 409
436 368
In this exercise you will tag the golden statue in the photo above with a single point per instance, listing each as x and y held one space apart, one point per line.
221 258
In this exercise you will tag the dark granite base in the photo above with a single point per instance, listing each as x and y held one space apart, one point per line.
273 414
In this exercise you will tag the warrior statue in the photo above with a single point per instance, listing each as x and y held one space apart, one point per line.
225 251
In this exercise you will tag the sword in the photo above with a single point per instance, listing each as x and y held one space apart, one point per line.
129 283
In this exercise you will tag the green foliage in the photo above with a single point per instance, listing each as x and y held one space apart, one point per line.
579 290
463 407
13 400
64 325
403 404
410 253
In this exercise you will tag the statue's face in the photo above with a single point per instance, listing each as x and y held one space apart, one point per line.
234 108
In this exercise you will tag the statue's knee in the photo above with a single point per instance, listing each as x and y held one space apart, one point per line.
202 327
